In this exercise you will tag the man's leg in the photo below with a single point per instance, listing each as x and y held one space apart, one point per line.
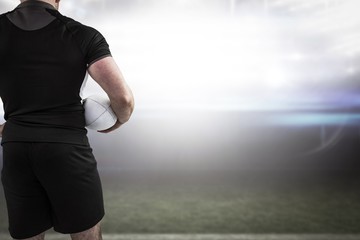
93 233
38 237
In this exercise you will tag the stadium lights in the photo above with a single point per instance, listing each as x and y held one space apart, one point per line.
191 59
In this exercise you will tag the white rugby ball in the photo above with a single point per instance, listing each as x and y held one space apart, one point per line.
98 113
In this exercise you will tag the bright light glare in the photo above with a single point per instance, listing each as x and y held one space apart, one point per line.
198 61
241 62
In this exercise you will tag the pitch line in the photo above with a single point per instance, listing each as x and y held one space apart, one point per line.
210 237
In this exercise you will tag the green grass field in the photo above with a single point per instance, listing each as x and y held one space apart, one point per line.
241 206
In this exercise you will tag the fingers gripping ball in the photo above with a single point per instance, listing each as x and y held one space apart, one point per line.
98 113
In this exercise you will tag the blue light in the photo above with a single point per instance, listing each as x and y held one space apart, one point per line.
308 119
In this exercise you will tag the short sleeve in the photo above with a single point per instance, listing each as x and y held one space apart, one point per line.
97 47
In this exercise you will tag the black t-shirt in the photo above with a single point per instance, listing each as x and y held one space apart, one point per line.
41 74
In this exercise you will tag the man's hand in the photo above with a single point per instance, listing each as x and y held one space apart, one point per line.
1 129
116 126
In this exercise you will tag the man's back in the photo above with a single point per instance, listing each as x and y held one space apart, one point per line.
44 58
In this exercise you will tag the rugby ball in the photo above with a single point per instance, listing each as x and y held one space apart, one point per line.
98 113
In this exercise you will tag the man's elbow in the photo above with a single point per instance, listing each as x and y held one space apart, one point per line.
126 105
128 102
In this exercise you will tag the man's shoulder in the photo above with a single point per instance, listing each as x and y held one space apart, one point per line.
72 25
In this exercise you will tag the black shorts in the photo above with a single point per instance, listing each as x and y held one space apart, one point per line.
50 185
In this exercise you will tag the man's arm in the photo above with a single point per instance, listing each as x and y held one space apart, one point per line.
1 129
108 75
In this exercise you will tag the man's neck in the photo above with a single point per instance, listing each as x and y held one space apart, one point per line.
45 1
